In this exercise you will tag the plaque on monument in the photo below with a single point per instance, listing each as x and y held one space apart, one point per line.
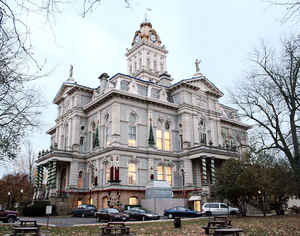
158 189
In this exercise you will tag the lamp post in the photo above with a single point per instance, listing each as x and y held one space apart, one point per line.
183 196
21 199
8 202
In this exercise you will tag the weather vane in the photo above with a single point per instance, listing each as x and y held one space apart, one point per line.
146 14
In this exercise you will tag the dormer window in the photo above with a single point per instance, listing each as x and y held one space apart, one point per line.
124 85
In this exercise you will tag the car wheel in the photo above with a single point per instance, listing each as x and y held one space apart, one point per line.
233 213
124 218
82 215
208 213
170 216
11 220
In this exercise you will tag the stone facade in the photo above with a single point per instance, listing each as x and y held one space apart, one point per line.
110 141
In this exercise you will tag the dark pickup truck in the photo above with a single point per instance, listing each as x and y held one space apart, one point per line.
8 216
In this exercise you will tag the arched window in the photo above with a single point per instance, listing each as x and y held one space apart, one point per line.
133 201
132 130
107 173
165 173
163 137
202 131
131 173
79 184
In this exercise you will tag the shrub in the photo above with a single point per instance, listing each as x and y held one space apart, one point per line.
38 208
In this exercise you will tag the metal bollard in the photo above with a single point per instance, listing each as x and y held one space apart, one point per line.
177 222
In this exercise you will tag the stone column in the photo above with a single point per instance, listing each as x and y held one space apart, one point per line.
204 172
212 170
73 174
188 173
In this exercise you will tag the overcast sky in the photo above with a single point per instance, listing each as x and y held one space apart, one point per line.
220 33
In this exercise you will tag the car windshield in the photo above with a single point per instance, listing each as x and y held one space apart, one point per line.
82 206
112 210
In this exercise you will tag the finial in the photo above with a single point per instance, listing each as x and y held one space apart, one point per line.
71 74
197 63
146 14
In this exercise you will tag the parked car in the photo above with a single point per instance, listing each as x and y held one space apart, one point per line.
84 210
218 208
8 216
111 214
180 211
141 214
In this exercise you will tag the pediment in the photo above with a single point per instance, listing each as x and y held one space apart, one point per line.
205 85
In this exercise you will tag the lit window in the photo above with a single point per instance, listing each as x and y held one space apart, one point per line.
79 203
131 173
168 171
133 201
107 173
132 136
107 135
167 141
159 140
160 174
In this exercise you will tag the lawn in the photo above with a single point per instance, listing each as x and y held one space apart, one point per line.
261 226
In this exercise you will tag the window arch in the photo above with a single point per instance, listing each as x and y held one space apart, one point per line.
132 130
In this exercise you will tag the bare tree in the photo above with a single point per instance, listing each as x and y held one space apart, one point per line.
292 8
19 102
269 96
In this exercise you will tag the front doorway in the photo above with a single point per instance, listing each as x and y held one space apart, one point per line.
197 205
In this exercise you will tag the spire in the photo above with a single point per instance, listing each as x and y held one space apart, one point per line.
151 141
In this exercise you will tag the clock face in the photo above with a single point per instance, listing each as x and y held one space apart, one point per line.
153 37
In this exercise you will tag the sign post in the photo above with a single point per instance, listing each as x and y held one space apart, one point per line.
48 213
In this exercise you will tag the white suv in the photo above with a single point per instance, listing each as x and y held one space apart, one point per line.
218 208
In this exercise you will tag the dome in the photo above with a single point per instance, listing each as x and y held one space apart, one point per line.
146 34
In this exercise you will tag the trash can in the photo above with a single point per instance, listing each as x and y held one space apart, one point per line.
177 222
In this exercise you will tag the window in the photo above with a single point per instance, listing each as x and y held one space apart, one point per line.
140 64
135 68
107 135
132 136
81 140
107 174
131 173
155 93
164 173
132 130
167 141
163 138
142 90
124 85
159 140
202 131
79 184
133 201
160 173
168 171
148 63
154 66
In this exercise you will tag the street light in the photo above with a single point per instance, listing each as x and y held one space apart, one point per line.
21 191
182 172
8 200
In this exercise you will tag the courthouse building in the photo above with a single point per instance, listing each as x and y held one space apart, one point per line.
109 142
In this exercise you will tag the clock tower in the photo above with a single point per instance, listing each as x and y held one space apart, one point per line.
147 56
